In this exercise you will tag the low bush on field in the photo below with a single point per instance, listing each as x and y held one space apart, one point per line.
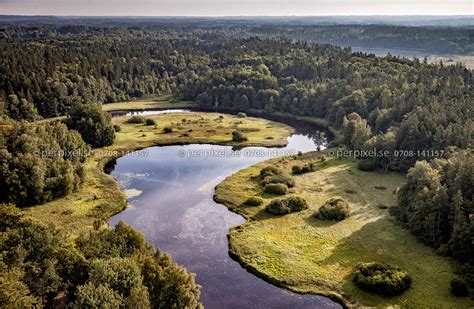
270 171
276 188
167 130
281 178
150 122
286 206
254 201
367 165
136 119
381 278
274 175
334 209
303 169
238 137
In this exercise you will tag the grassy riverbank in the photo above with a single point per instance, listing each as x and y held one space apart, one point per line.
307 255
100 197
154 103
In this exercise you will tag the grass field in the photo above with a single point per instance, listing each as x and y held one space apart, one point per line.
100 197
467 61
307 255
155 103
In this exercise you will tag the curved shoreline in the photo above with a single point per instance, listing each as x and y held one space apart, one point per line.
344 300
99 188
98 164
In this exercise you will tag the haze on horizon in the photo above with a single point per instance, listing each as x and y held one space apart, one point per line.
234 7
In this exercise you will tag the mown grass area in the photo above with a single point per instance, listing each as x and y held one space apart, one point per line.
307 255
100 197
154 103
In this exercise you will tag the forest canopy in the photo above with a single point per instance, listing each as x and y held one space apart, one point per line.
39 162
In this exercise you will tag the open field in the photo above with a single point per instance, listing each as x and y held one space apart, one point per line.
100 197
304 254
155 103
467 61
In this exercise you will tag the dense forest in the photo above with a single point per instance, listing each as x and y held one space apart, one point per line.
407 104
398 105
436 204
39 162
107 268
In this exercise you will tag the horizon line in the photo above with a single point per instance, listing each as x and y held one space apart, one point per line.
224 16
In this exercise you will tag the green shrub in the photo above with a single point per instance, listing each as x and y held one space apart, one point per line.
297 203
367 165
276 189
334 209
307 168
117 128
296 169
459 287
167 130
136 119
270 170
381 278
283 178
286 206
254 201
238 137
150 122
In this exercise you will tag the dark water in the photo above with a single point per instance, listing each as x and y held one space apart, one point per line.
170 194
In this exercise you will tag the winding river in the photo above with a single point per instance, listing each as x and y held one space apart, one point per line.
170 191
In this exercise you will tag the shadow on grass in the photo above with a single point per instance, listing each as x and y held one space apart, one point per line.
383 241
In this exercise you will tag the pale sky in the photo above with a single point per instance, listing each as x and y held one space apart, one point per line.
235 8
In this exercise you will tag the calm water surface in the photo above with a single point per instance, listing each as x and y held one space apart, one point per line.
170 195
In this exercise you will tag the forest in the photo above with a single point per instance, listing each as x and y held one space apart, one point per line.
386 103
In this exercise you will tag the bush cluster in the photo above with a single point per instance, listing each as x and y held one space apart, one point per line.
271 174
276 188
167 130
381 278
237 136
150 122
334 209
254 201
303 169
136 119
269 171
286 206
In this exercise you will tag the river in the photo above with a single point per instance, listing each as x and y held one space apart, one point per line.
170 190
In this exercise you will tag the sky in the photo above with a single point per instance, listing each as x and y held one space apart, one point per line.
235 8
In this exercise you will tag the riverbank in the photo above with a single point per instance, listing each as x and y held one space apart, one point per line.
307 255
100 196
153 103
